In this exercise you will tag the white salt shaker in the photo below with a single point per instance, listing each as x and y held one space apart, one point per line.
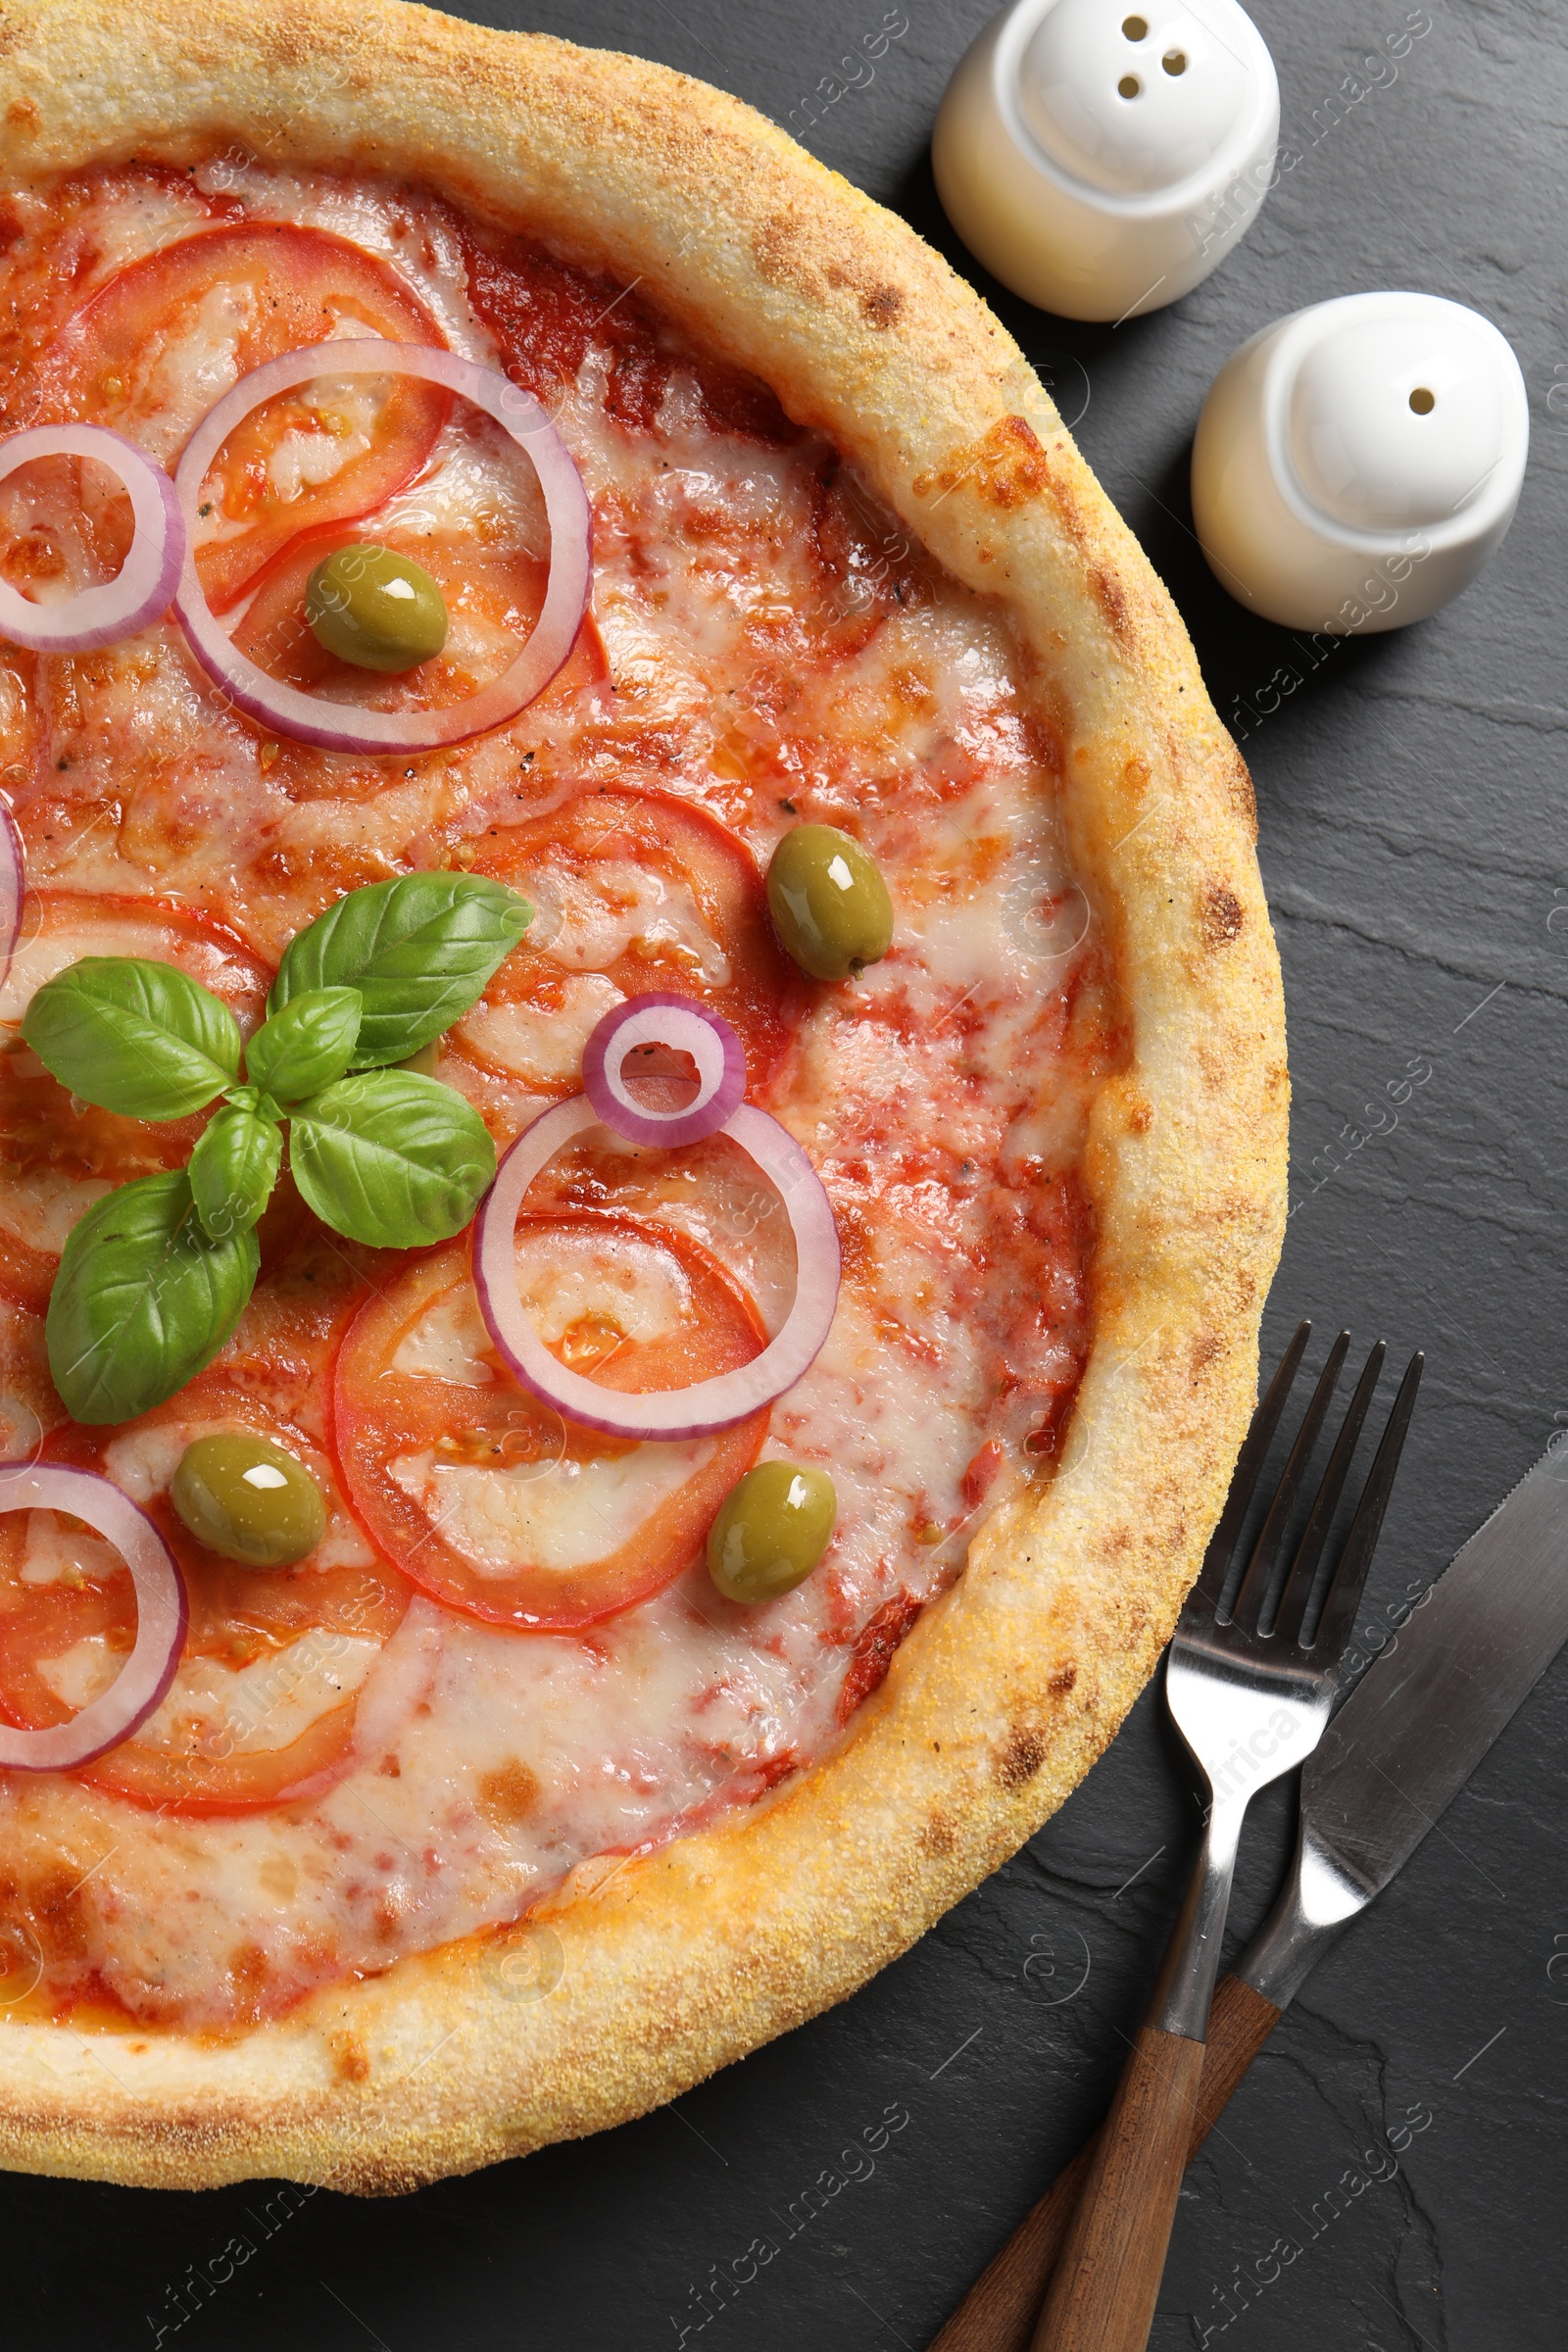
1101 158
1356 464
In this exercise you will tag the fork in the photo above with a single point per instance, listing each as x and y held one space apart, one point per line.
1250 1680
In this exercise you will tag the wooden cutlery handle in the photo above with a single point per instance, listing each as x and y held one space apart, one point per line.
1106 2284
999 2313
1240 2022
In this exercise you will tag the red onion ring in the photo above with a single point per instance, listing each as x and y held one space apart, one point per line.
13 887
144 584
664 1020
707 1405
162 1613
343 726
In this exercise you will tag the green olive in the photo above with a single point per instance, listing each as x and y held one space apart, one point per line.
771 1530
375 610
829 903
249 1501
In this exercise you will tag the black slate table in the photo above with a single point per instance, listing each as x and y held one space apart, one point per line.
1415 849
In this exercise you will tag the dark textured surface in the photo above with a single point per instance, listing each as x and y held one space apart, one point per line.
1416 858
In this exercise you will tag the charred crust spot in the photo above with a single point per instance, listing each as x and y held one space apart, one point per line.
881 303
1006 468
1062 1681
1021 1758
287 48
774 248
1221 914
940 1836
350 2061
882 306
1207 1349
768 245
1112 601
1017 470
1243 798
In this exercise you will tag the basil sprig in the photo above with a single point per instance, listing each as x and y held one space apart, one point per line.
388 1154
143 1300
154 1279
234 1168
307 1045
419 950
133 1037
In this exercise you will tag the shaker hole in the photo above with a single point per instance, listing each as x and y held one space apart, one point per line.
1135 28
1422 401
1174 61
1129 86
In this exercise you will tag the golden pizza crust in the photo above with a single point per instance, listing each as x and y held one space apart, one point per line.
1008 1688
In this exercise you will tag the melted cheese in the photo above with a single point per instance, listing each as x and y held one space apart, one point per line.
629 907
557 1514
40 1205
60 1553
942 1096
544 1049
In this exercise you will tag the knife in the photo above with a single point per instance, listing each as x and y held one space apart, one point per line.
1398 1752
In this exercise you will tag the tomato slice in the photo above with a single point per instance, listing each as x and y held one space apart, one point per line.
58 1156
166 336
486 1497
633 891
28 1403
262 1709
493 598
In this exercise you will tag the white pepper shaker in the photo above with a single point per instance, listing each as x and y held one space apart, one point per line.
1356 462
1101 158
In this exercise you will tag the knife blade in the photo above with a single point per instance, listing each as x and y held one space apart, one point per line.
1394 1755
1418 1723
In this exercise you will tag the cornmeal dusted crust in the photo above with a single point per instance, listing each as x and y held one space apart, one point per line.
1009 1686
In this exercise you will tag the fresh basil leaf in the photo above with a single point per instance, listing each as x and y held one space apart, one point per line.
419 951
307 1045
143 1300
233 1169
391 1159
251 1097
134 1037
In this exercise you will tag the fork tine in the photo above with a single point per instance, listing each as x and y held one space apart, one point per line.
1296 1596
1259 1574
1243 1479
1350 1578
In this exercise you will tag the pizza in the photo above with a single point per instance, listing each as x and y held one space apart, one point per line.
640 985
